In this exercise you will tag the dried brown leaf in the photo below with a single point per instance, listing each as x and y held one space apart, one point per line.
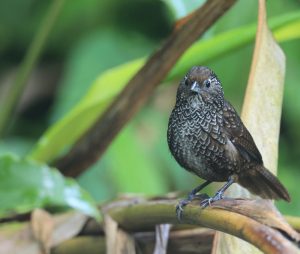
18 238
117 240
41 234
42 225
125 243
110 229
66 226
263 101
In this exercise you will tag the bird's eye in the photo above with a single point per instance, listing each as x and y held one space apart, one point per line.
207 83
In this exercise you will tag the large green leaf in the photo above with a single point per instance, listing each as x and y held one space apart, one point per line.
25 185
138 173
93 54
66 131
128 166
84 113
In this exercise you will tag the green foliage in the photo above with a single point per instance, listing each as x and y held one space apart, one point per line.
136 166
93 54
84 113
109 84
25 185
102 44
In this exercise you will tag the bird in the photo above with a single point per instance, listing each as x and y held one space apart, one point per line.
207 138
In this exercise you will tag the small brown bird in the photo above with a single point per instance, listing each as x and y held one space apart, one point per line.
207 137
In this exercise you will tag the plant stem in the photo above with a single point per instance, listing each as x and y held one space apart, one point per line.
262 229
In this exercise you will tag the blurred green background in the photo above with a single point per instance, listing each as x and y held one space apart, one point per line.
93 36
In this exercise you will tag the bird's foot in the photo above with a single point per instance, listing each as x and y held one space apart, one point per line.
192 195
179 208
209 201
182 203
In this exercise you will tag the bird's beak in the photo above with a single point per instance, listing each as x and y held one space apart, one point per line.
195 87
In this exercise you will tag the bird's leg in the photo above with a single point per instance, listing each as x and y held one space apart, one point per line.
219 193
182 203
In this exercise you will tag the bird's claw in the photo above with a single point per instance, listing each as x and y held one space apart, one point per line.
179 208
209 201
182 203
206 202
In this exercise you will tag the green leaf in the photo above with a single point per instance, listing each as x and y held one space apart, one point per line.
131 169
111 82
85 112
289 32
85 63
285 28
127 167
25 185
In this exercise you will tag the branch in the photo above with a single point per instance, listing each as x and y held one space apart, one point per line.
256 221
266 229
198 240
82 244
93 144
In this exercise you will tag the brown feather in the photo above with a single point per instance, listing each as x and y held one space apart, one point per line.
263 183
239 135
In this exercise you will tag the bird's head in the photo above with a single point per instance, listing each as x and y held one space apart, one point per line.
203 83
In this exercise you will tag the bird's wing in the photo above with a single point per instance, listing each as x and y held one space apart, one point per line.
239 135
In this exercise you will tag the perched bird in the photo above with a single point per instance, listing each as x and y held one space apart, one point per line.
207 137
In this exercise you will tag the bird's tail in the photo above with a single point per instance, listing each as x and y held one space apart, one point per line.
263 183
